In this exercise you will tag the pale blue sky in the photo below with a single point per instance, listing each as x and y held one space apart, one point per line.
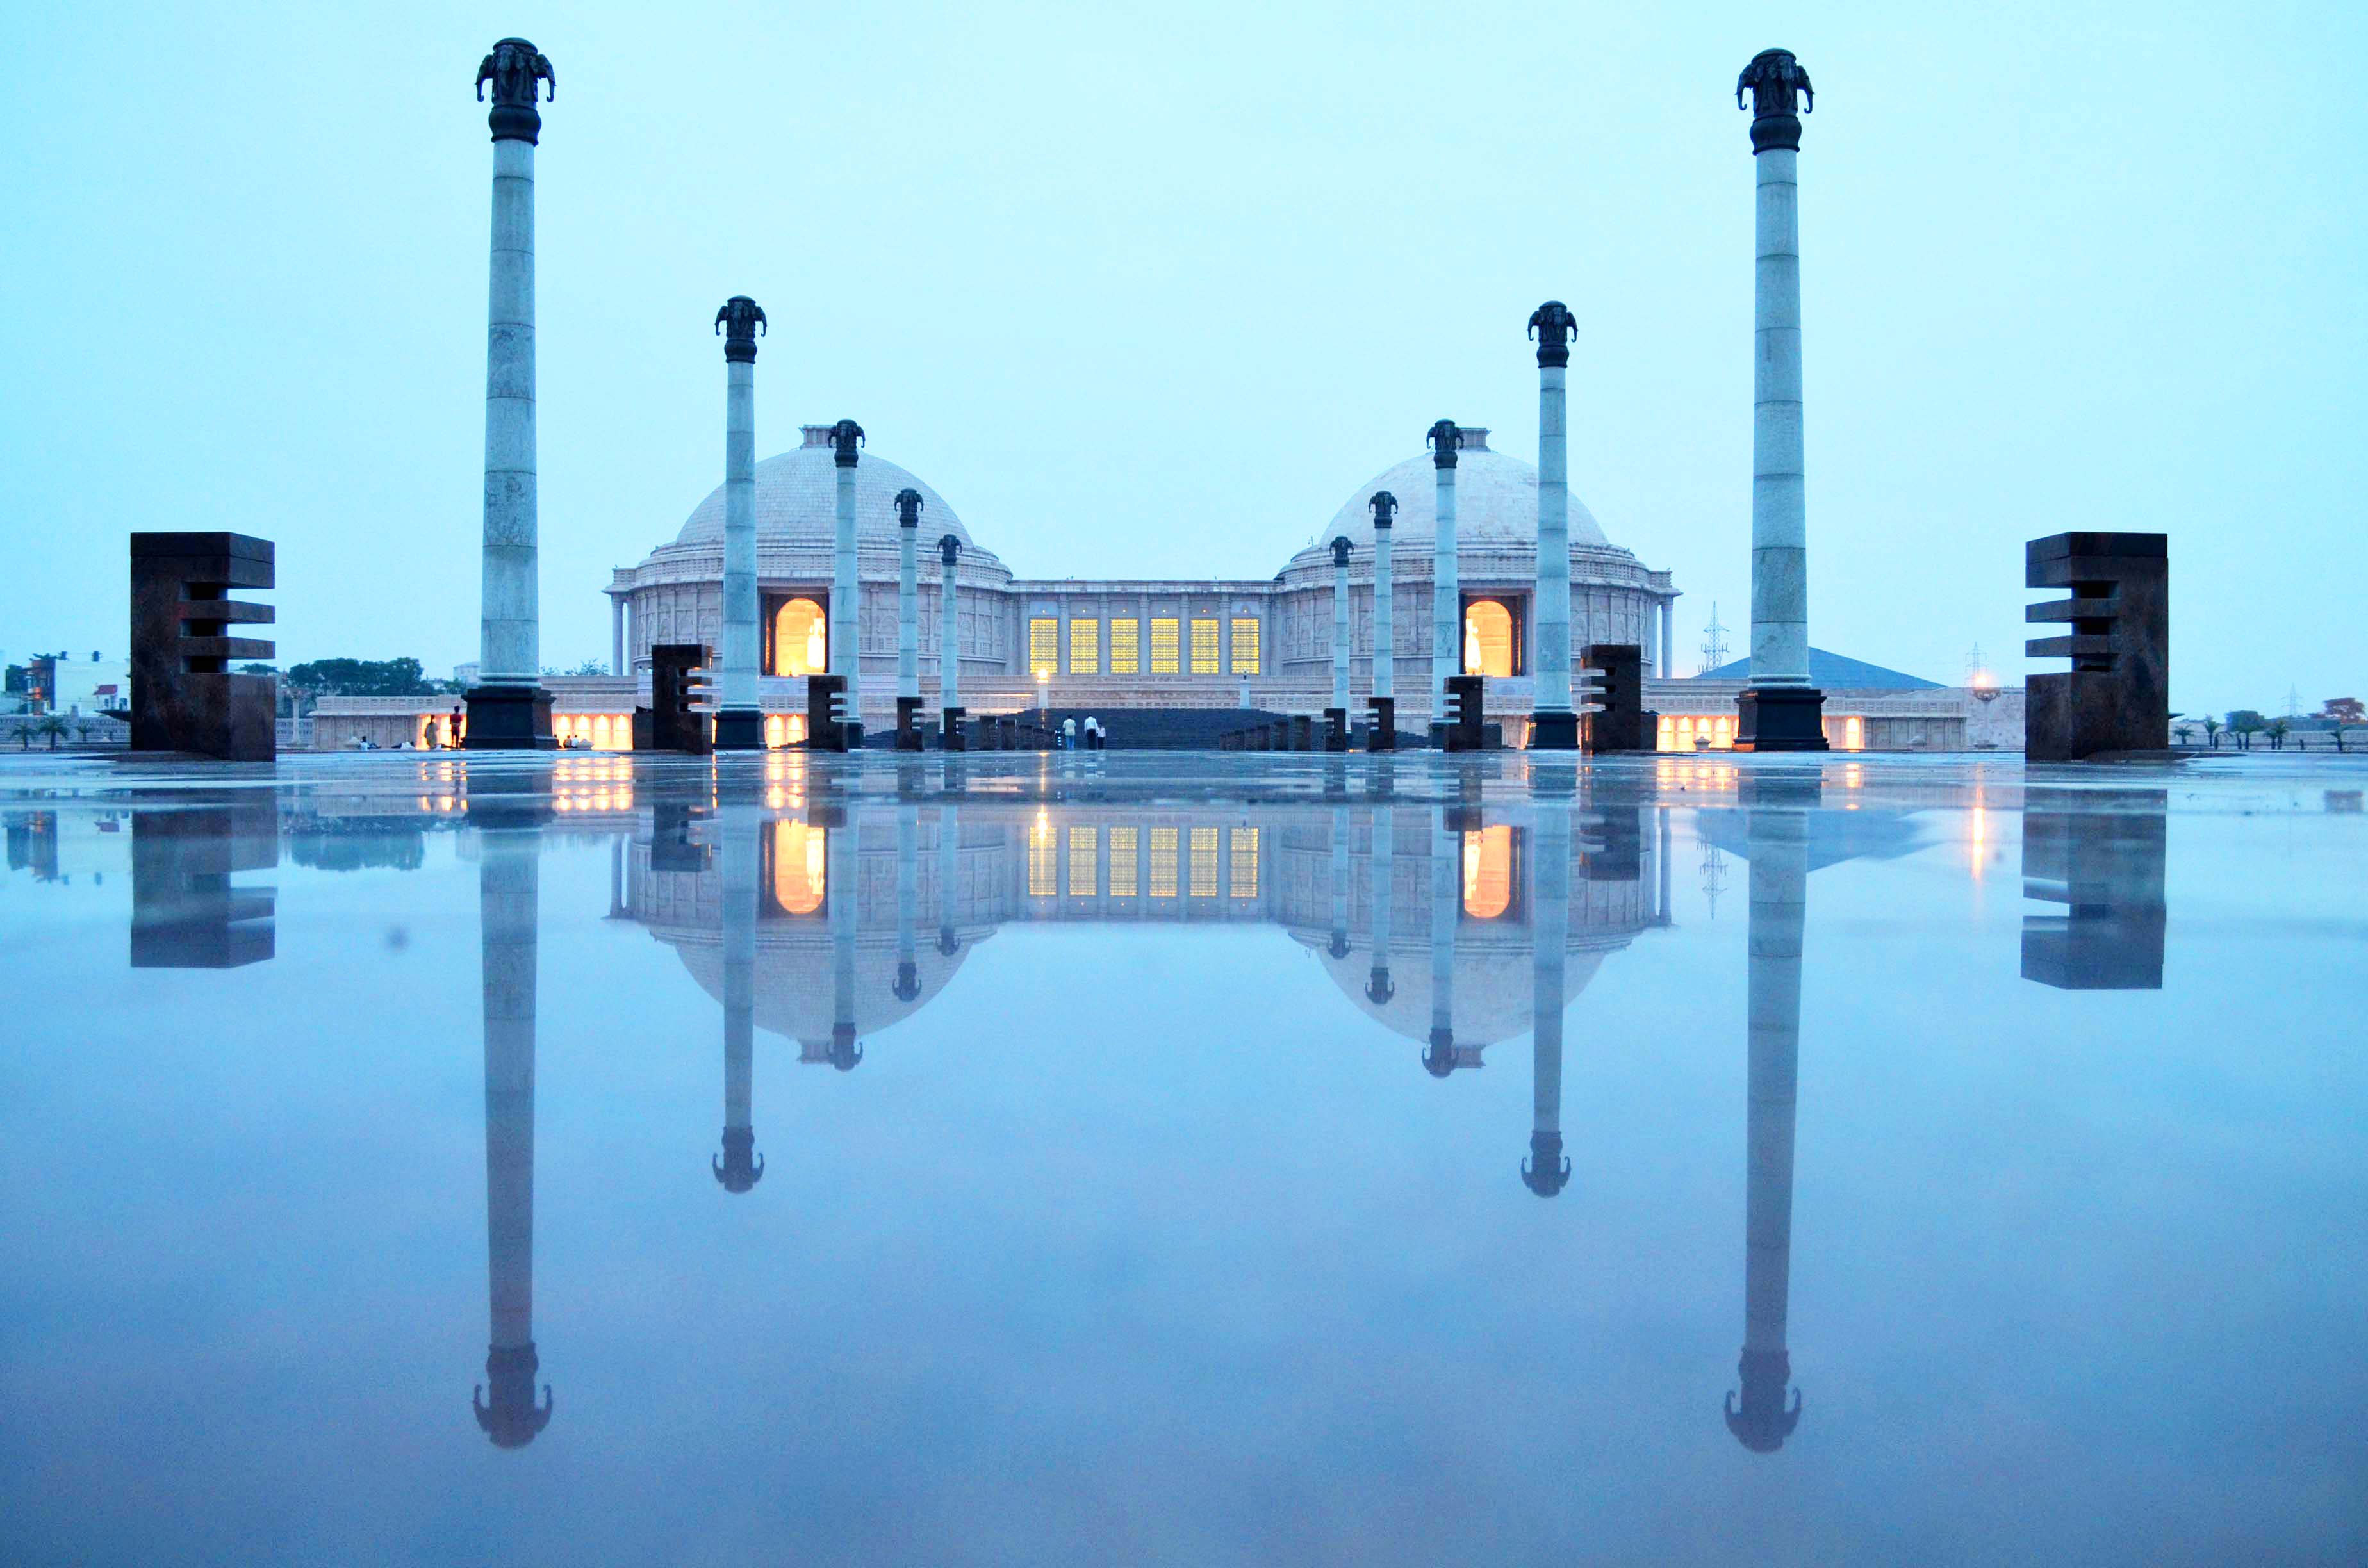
1149 290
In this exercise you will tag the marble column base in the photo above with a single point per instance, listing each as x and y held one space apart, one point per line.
508 718
740 728
1781 717
1553 731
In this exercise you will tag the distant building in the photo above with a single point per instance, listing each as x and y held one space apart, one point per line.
97 684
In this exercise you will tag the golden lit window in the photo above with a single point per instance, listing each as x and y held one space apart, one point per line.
1041 872
1204 647
1245 862
798 866
1488 639
1121 877
1085 844
1085 647
1853 734
1126 657
1204 862
1246 646
1043 647
801 639
1163 648
1163 860
1488 871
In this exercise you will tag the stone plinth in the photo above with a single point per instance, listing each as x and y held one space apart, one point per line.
675 723
2117 635
1619 725
183 695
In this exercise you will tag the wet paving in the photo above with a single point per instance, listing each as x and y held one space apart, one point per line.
1187 1158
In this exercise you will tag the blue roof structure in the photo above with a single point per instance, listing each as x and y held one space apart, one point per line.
1832 672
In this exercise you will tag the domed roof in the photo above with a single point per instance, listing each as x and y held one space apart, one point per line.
797 500
1496 502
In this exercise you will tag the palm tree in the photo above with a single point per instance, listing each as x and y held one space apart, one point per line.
2277 731
55 728
2211 731
2186 733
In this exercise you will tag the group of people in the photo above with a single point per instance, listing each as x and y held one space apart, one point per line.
1090 732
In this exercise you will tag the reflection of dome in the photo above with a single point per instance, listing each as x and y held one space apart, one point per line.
1496 502
797 502
1493 981
794 977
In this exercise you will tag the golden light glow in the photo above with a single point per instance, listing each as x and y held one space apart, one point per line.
799 865
1853 734
1121 877
1163 862
1125 648
1084 848
1246 646
1244 867
1085 647
1204 647
1163 648
1488 871
1043 645
1043 876
801 639
1205 861
1488 639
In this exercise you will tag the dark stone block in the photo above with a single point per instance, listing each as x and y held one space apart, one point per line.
1335 729
2116 630
1620 727
1382 734
1461 729
740 728
1553 731
508 718
908 723
1781 717
950 729
183 695
676 722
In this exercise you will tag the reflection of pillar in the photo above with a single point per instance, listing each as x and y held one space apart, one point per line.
508 889
845 659
1446 866
1339 947
908 893
1554 725
739 722
949 874
1547 1171
740 823
1379 988
1779 837
1446 592
840 846
507 708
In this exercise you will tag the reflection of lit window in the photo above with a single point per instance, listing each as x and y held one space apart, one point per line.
1121 877
1163 862
1204 646
1488 871
1085 647
1040 870
1245 862
1204 862
1084 847
798 862
1125 648
1488 639
1163 648
1246 646
1043 645
799 644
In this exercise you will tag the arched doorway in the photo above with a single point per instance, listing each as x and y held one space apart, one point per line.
1489 642
801 639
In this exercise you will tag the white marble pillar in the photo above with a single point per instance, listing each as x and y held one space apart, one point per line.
1446 882
1554 724
845 589
1668 614
1779 837
739 721
1547 1171
507 708
1384 507
617 634
1340 626
950 635
908 615
1339 882
1379 987
740 823
508 906
1781 711
1446 589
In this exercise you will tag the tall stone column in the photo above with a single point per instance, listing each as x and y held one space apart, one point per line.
949 736
509 899
741 824
908 620
1446 878
1384 735
739 721
1337 716
846 651
617 634
1547 1170
845 911
1780 711
1777 829
508 710
1446 590
1554 724
1379 986
1668 614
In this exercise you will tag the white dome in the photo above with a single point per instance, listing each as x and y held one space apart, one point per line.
797 500
1496 502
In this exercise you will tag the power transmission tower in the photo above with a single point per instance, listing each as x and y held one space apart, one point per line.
1714 646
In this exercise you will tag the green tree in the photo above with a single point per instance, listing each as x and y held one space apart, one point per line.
361 677
53 727
2277 729
2186 733
2212 732
2245 723
2344 710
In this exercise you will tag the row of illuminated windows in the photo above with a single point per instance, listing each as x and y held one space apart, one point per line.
1161 859
1715 731
1125 646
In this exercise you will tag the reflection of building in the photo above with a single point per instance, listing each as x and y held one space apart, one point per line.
2099 854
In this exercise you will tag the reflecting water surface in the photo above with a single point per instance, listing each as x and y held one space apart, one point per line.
1211 1159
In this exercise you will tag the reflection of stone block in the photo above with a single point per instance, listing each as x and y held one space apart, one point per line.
1620 726
2101 855
185 914
2116 630
184 696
